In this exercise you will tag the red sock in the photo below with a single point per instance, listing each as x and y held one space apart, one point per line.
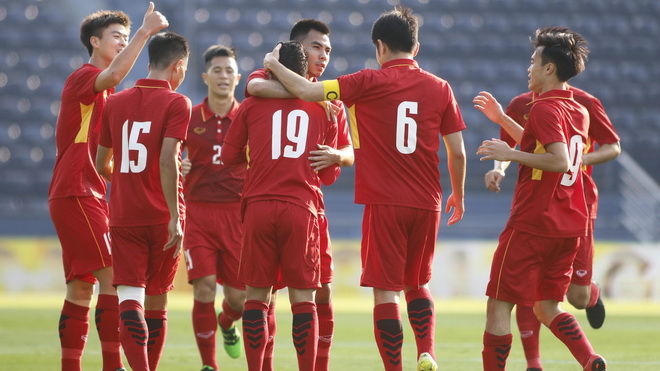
228 316
388 331
326 331
421 314
157 325
255 333
594 295
529 326
74 326
107 325
305 332
496 351
205 327
567 329
133 334
270 343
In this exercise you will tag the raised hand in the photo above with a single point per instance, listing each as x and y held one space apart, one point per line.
486 103
153 21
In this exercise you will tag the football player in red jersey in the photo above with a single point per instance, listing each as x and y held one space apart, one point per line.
77 192
582 293
280 209
314 35
398 114
143 128
212 190
549 214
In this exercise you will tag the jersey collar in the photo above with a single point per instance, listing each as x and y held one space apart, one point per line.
404 62
152 84
207 113
553 94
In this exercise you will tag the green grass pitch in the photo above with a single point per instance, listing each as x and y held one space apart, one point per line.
629 340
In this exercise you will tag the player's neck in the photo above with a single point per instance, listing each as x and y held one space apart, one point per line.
98 61
554 85
389 56
220 105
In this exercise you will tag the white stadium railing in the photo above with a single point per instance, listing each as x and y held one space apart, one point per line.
640 200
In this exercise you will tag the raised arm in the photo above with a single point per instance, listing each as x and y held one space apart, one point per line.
456 160
124 61
169 181
294 83
267 89
486 103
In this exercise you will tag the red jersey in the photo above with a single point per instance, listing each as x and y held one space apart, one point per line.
550 204
601 131
209 180
77 135
397 115
343 137
279 133
135 121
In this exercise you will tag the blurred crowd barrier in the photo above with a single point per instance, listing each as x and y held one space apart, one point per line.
626 271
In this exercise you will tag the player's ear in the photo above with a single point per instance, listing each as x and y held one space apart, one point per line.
549 68
95 41
416 50
238 78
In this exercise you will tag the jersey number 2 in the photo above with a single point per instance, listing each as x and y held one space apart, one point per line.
297 123
131 143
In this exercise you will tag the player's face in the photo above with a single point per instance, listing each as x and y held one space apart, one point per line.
535 72
222 76
317 47
112 41
179 73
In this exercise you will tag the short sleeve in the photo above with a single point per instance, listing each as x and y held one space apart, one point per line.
178 118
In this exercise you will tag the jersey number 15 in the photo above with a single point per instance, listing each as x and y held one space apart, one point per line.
129 142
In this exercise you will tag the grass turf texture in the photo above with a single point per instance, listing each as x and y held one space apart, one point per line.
629 340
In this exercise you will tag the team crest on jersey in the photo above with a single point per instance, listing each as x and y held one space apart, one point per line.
581 272
199 130
526 116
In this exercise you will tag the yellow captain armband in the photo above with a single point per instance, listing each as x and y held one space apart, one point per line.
331 90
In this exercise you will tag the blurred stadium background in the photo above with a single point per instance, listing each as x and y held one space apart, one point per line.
474 44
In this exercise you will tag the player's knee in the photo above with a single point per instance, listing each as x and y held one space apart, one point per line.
204 289
323 294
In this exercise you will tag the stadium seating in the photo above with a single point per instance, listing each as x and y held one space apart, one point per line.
474 44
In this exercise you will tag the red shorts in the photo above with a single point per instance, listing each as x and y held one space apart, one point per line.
140 260
212 242
584 259
82 227
280 235
325 246
527 268
398 244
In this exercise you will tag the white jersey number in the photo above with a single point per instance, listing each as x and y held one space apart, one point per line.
131 143
575 149
216 156
297 123
406 128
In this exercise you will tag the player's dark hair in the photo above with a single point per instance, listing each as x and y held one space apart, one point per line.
303 26
397 29
166 48
95 23
565 48
218 51
293 57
